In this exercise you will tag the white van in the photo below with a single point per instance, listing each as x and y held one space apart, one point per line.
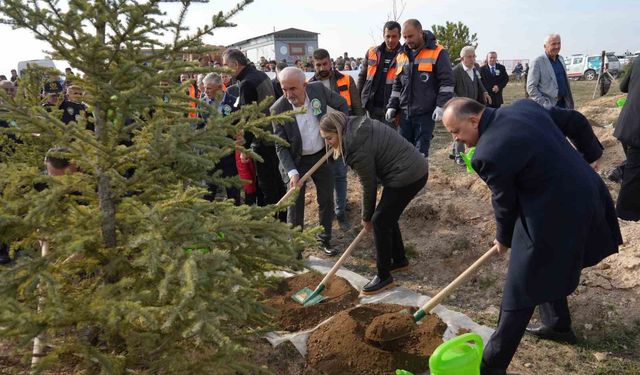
588 67
22 65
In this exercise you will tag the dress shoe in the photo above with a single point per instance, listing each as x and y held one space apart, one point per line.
377 285
548 333
328 249
400 267
459 160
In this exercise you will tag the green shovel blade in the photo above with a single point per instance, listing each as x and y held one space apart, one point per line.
307 297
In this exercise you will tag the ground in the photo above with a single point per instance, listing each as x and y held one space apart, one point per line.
451 224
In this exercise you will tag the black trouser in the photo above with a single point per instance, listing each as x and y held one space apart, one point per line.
379 114
228 166
269 177
628 204
386 231
511 327
323 180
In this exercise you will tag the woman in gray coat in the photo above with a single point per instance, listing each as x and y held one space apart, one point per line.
377 152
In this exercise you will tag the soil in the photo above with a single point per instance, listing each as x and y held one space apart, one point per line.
292 316
390 327
339 346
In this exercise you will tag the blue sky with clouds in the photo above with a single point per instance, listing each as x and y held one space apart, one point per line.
514 28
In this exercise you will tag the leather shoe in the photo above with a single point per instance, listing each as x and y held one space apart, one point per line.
377 285
328 250
548 333
399 267
4 254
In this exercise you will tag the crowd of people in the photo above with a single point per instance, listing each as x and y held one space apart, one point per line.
551 207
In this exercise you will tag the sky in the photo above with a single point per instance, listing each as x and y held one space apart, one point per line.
515 29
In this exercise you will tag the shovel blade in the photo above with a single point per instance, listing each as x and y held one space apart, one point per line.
301 295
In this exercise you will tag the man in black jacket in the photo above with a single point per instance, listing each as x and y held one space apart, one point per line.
495 79
254 86
628 133
550 207
423 84
375 80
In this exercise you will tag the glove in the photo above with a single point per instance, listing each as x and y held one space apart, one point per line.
437 114
391 113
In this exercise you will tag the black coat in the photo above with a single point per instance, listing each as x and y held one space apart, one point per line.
628 128
550 206
501 78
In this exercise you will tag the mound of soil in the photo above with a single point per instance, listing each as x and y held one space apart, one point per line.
339 347
292 316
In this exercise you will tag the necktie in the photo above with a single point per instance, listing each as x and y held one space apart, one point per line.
493 71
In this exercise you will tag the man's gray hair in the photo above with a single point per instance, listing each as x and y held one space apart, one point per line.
467 50
549 37
212 78
292 71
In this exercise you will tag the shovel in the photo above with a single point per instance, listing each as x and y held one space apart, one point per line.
380 331
306 176
308 297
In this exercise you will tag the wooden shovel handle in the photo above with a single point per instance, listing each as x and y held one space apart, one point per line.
435 300
344 256
306 176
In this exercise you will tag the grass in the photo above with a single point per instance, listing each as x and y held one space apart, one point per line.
582 91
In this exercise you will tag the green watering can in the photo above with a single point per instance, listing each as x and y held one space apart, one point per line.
457 356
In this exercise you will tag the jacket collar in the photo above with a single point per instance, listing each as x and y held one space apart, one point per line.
429 42
382 47
336 74
247 69
485 120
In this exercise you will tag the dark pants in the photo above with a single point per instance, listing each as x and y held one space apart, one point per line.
228 166
418 130
386 231
379 114
323 180
628 204
511 327
269 177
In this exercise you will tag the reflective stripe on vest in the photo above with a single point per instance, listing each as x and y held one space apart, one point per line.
425 59
372 67
193 104
343 88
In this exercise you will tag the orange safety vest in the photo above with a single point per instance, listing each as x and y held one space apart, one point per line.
193 104
372 67
425 59
343 88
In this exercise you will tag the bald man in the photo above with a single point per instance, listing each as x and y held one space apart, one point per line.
306 146
551 208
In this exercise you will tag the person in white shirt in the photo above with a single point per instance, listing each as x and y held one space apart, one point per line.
306 146
468 85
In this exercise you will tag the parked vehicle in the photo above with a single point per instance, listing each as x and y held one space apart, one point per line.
22 65
588 67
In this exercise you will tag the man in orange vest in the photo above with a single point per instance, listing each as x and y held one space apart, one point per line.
424 83
344 85
375 80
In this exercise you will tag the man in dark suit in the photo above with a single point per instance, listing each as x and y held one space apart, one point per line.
495 79
628 133
550 206
253 87
467 85
306 146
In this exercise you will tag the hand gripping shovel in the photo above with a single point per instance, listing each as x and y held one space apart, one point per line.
379 331
306 176
306 296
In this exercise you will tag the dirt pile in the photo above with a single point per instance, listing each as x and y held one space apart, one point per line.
292 316
603 111
339 347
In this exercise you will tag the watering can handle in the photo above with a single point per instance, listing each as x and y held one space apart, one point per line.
455 342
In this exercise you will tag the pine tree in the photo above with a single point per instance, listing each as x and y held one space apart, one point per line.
454 36
143 275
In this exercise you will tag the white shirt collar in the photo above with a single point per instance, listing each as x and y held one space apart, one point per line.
467 69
